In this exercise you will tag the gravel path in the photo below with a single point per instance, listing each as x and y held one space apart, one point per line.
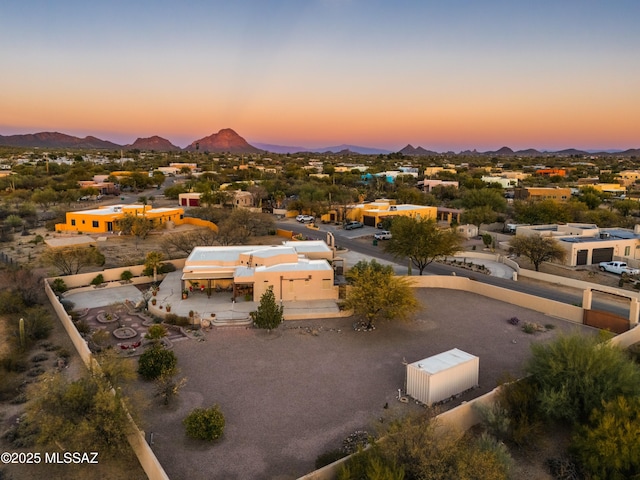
291 395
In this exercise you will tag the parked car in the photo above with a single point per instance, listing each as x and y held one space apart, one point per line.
353 225
306 218
383 235
618 268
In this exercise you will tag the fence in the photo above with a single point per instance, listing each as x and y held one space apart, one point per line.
136 438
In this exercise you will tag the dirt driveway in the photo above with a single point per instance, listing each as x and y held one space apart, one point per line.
292 395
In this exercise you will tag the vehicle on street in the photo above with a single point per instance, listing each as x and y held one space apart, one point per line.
306 218
353 225
383 235
618 268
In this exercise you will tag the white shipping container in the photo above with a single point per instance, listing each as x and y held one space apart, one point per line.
442 376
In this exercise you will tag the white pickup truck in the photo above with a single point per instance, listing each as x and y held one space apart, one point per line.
619 268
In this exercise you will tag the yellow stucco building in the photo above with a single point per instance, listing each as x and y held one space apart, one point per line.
104 219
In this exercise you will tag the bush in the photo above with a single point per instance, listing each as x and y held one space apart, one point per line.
514 320
126 276
204 423
58 286
167 268
156 332
98 280
157 361
83 327
173 319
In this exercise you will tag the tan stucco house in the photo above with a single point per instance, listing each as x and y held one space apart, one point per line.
297 271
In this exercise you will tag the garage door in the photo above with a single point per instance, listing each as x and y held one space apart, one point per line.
369 221
581 258
602 255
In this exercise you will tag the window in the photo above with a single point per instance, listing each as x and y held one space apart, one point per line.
73 222
95 224
627 251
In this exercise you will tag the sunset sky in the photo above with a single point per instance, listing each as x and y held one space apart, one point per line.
444 75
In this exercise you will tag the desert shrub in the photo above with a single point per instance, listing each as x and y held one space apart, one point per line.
204 423
64 353
14 362
39 357
156 361
529 328
83 327
98 280
37 323
576 374
58 286
10 384
35 372
518 400
514 320
10 302
608 446
167 267
173 319
156 332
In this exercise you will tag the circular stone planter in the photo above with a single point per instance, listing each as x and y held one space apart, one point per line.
124 333
104 317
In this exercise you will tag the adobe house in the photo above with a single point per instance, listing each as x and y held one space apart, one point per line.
296 271
104 219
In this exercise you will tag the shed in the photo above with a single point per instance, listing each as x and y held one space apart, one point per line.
442 376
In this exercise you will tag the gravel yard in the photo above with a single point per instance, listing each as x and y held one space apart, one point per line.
293 394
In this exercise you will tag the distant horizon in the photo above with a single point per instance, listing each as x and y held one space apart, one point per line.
122 141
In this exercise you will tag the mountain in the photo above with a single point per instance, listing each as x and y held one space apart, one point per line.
267 147
528 151
154 143
411 150
501 151
56 140
350 148
226 140
570 151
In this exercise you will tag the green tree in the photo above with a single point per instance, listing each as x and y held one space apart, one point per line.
479 215
205 423
421 241
625 207
136 225
608 447
157 361
375 293
269 314
538 249
485 197
70 260
575 374
14 221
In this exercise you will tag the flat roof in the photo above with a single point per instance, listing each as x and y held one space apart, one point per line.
443 361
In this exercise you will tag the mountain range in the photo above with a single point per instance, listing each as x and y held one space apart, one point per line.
227 140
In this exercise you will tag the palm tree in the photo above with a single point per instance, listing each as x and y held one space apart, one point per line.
153 261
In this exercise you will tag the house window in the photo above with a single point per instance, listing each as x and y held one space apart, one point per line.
73 223
627 251
83 222
95 224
